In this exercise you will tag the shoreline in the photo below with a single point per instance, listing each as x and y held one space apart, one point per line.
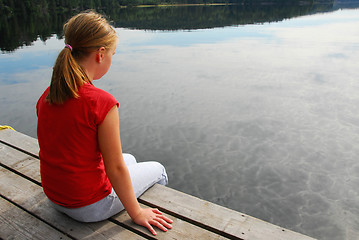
304 2
185 5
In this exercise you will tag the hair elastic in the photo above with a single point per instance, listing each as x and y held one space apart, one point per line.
68 46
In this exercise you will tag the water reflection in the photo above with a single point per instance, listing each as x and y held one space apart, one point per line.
23 26
261 119
258 118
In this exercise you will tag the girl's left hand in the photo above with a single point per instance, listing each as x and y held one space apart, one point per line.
149 217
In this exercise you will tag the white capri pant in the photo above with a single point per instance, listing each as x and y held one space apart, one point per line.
143 176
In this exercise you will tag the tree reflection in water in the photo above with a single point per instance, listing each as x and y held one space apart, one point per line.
24 24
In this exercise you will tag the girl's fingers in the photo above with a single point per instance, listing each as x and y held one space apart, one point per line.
155 210
148 225
155 218
166 219
156 223
164 223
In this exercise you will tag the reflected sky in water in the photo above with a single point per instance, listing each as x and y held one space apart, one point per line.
259 118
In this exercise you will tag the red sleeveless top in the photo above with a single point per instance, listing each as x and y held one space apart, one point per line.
71 165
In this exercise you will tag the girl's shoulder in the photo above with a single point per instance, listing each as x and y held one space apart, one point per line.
89 90
98 101
96 96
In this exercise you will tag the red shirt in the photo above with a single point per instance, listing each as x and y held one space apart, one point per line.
71 165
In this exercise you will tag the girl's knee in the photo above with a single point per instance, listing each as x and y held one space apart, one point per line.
148 173
129 159
163 178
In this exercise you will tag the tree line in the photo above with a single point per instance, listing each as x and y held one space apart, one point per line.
11 6
24 21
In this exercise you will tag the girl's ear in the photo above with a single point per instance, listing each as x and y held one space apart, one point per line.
100 54
98 57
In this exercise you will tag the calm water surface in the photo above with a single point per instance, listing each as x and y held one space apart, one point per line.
263 119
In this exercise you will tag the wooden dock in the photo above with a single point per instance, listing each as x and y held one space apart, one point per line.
26 214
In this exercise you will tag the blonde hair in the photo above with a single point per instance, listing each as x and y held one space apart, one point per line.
85 32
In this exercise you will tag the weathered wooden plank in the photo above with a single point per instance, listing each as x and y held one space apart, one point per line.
20 141
202 213
19 161
181 229
29 167
15 223
215 217
31 197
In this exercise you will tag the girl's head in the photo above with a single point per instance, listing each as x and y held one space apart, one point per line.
86 34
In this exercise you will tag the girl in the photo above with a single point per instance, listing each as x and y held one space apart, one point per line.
83 170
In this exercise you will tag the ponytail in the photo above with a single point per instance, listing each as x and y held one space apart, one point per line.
84 33
66 78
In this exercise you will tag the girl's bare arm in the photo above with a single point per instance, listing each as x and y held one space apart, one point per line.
117 172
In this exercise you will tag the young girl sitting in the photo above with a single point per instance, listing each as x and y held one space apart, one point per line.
83 170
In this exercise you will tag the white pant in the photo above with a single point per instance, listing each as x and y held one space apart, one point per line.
143 176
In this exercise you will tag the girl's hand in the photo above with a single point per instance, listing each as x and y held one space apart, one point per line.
149 217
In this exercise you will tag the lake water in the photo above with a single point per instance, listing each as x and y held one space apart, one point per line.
261 118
